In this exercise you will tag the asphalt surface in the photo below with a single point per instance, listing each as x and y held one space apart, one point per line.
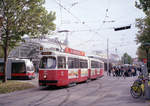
105 91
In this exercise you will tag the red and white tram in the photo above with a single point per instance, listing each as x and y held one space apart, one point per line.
61 69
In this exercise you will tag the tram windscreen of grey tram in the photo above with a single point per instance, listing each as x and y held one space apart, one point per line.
18 67
1 67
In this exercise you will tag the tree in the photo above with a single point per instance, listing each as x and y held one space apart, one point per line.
143 34
126 59
141 53
143 26
23 17
144 5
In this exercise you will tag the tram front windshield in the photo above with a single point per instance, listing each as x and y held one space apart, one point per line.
48 63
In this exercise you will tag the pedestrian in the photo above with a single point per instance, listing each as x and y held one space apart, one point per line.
116 72
121 71
132 72
113 72
129 71
126 72
109 72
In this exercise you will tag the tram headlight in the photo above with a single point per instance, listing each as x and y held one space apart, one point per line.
44 76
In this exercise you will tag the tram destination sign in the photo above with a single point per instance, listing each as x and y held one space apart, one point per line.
73 51
46 53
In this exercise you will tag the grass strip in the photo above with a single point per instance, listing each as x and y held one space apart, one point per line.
11 86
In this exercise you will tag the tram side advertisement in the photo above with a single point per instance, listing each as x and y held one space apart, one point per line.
73 73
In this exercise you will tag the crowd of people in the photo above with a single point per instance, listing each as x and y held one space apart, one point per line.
124 71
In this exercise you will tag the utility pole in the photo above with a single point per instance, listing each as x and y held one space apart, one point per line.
60 13
66 39
107 55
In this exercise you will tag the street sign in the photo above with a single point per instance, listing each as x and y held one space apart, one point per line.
145 60
122 28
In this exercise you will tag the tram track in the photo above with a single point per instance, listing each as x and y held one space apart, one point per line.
44 98
96 92
99 87
66 100
106 93
18 98
36 102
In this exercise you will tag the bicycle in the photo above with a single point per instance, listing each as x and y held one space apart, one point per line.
137 89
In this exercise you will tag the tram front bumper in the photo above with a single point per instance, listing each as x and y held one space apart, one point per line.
47 82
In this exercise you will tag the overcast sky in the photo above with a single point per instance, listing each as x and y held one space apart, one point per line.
84 19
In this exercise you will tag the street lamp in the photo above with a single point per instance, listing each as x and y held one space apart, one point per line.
146 46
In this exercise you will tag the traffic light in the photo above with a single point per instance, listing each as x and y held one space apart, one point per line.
122 28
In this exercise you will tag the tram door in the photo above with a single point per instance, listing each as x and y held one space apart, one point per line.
9 65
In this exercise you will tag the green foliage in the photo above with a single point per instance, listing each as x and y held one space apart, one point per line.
2 51
141 53
143 25
143 34
143 4
126 59
22 17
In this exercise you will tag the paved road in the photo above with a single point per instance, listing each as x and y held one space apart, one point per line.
106 91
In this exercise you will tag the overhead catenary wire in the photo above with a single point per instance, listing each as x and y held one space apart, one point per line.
76 18
67 10
95 31
60 13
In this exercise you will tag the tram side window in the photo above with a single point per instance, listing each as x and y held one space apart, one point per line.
83 63
101 65
86 64
76 63
93 64
48 62
61 62
98 65
18 67
71 63
1 67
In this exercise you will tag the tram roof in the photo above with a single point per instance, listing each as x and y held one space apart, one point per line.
72 55
95 59
65 54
